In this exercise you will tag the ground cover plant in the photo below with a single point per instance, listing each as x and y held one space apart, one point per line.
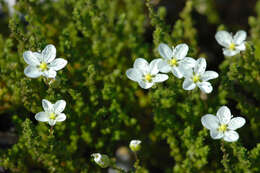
130 86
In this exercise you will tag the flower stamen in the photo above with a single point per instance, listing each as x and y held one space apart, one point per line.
43 66
173 62
148 78
196 78
232 46
52 116
222 128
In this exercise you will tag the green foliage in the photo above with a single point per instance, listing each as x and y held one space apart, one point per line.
101 39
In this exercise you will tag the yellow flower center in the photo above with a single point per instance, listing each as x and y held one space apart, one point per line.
196 78
148 78
173 62
43 66
52 116
222 128
232 46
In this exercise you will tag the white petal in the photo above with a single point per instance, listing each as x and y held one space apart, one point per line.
61 117
145 85
231 136
153 66
47 106
205 87
177 72
224 115
210 121
134 74
188 84
241 47
38 56
200 66
32 71
58 64
165 51
59 106
180 51
160 78
239 37
215 134
164 67
228 52
50 73
52 122
223 38
236 123
30 58
208 75
187 72
188 62
42 116
142 65
49 53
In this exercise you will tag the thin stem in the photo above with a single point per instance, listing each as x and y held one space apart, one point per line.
118 169
48 81
51 139
136 164
135 155
51 131
225 160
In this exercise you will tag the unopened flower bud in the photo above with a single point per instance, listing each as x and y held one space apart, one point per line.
101 159
135 145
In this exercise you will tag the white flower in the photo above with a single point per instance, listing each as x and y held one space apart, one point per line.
223 125
101 159
232 45
135 145
197 76
52 112
43 64
146 74
175 60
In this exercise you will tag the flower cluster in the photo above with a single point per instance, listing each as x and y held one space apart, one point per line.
146 74
174 60
45 64
194 72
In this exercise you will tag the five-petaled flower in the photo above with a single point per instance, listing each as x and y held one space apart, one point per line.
101 159
223 125
146 74
232 44
43 64
197 76
52 112
175 60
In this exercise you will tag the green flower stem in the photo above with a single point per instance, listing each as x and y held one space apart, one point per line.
225 160
51 131
120 170
137 161
48 81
